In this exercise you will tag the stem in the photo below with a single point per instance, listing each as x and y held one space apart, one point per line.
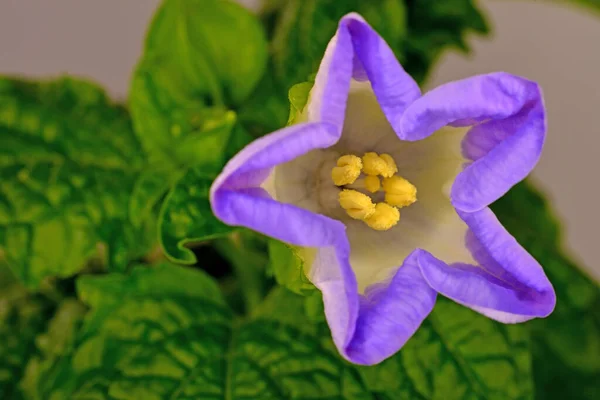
249 267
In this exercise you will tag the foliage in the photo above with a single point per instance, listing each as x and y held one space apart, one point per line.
68 161
100 194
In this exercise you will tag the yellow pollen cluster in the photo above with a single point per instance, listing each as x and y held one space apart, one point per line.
347 170
357 205
374 164
398 191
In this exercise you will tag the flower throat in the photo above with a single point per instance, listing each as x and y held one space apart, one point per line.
398 191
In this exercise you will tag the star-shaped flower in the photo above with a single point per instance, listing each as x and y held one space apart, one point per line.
390 190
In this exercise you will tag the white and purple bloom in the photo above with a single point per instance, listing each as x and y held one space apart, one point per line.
390 190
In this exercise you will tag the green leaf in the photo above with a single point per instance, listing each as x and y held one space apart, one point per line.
267 110
220 45
287 266
298 97
456 354
166 333
159 333
201 58
22 317
68 160
488 359
186 216
51 345
148 192
566 344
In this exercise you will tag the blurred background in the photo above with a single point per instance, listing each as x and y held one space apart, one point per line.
103 39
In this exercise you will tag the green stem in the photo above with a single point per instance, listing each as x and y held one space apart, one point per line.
249 267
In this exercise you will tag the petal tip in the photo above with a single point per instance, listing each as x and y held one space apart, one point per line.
484 293
351 17
547 302
411 129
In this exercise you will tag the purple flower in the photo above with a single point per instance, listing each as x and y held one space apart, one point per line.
342 183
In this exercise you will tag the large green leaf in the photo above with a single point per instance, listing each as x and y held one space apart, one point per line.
68 160
566 345
201 58
22 317
166 333
219 46
456 354
159 333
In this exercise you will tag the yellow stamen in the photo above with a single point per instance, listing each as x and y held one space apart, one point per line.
357 205
373 164
391 165
384 217
372 183
347 170
383 165
399 192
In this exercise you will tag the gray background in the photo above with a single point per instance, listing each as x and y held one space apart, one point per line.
551 43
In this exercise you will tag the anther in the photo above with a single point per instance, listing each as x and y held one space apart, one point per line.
383 165
384 217
347 170
392 168
357 205
399 192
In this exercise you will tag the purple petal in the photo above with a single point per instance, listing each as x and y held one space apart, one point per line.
508 285
329 94
358 52
251 166
237 199
504 146
390 314
332 274
394 88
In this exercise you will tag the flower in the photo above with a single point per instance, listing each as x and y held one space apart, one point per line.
391 189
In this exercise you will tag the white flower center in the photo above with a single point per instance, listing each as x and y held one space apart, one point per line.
430 164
